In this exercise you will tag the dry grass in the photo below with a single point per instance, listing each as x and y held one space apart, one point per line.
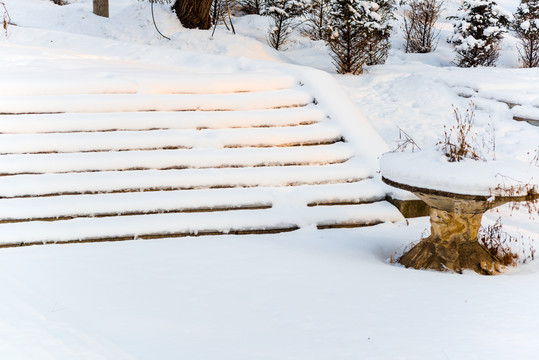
405 142
534 157
502 245
461 141
6 20
395 257
527 194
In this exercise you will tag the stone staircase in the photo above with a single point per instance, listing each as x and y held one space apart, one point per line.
177 156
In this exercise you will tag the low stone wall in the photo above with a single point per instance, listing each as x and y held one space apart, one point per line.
410 208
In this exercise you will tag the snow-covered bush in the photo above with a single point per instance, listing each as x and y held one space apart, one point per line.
526 26
316 20
359 33
378 45
478 29
282 13
418 25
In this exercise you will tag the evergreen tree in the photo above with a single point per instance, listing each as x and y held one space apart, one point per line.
282 13
526 26
478 29
359 33
316 17
378 44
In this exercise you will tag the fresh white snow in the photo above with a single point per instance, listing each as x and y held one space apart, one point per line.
140 202
59 123
167 102
155 139
107 181
308 294
170 159
432 170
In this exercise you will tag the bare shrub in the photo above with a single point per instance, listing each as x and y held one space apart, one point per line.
461 141
405 142
513 188
535 158
501 245
396 256
220 11
419 20
251 7
526 27
528 50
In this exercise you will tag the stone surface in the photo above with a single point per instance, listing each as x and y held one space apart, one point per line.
455 221
410 208
452 245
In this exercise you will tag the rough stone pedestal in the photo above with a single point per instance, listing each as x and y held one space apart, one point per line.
452 245
455 221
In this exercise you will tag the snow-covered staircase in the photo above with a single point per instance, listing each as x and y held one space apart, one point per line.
189 154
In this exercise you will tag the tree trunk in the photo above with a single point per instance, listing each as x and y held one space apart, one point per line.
193 14
101 8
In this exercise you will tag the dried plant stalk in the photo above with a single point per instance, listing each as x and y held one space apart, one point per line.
461 141
405 141
6 20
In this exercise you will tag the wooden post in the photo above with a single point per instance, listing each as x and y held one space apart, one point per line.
101 8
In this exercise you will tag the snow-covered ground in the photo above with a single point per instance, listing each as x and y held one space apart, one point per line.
308 294
302 295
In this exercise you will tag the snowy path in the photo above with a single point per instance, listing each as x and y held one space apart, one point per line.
142 155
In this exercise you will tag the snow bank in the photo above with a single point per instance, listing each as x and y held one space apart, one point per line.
431 170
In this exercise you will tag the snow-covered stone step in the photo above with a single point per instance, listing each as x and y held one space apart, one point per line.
173 159
147 82
318 133
526 113
149 180
68 206
165 102
78 122
174 224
